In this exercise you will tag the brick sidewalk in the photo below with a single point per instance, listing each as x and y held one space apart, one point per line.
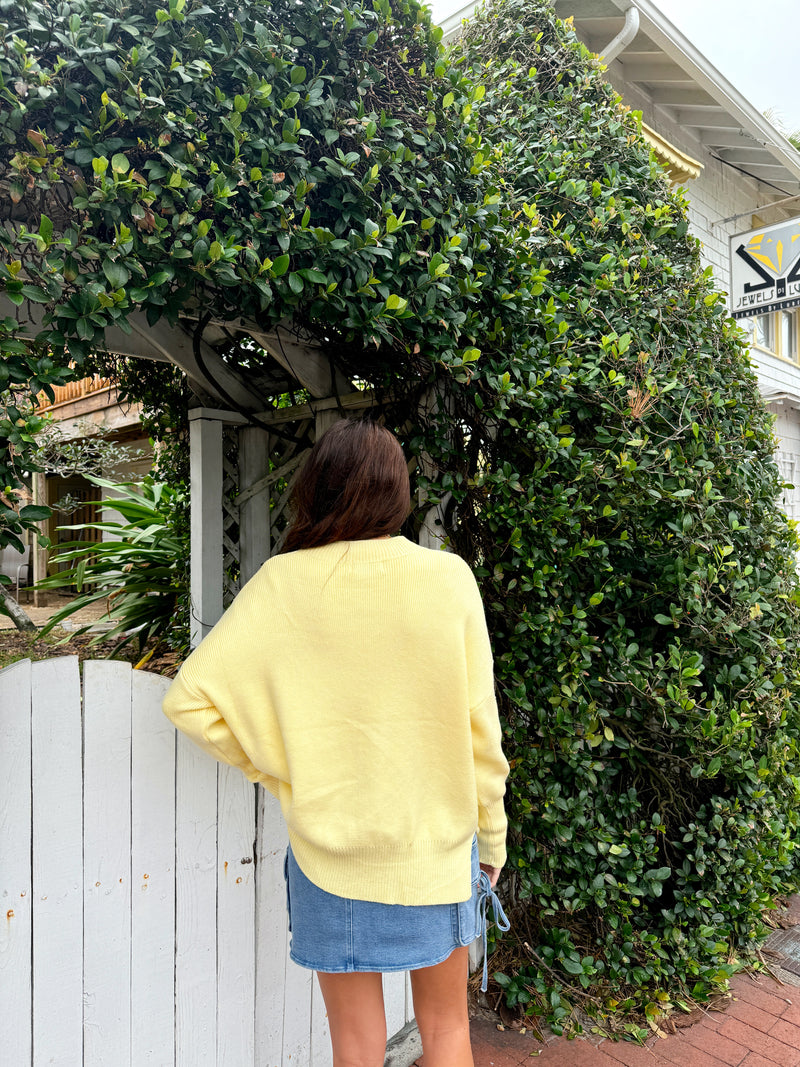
759 1026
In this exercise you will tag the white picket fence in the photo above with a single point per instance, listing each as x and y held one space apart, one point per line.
142 885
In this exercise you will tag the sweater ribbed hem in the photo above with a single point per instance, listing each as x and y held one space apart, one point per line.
417 872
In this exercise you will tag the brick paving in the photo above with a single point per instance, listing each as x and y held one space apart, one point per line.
758 1027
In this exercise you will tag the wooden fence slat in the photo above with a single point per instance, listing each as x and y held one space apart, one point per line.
297 1015
236 964
394 996
152 874
321 1050
107 862
195 906
271 931
57 862
15 883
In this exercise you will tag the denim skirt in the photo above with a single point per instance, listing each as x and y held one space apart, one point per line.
335 934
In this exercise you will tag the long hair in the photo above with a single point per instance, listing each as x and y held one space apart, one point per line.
353 486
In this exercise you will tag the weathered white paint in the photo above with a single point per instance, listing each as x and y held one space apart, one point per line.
39 554
394 996
138 935
196 921
106 862
15 823
236 964
321 1051
153 744
253 506
205 524
57 832
272 934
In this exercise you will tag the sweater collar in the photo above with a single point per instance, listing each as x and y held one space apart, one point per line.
378 548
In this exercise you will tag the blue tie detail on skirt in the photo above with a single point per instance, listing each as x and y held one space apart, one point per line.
487 896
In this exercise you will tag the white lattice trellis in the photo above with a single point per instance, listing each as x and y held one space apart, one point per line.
286 458
231 568
789 466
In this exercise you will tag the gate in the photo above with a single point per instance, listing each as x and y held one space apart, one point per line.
142 889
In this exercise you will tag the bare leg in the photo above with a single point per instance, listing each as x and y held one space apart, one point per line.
354 1003
440 1007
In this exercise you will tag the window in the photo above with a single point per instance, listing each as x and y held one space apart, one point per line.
788 320
763 332
789 467
777 333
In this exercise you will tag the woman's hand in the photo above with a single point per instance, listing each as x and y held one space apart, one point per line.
492 872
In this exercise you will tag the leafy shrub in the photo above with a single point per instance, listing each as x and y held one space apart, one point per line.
139 570
641 583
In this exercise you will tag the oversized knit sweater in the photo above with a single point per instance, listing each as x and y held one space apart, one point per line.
355 682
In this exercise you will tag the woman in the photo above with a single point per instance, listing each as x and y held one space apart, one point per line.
353 678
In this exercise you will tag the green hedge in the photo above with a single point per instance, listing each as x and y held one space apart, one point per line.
641 582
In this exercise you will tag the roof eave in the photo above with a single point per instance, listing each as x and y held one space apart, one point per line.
664 34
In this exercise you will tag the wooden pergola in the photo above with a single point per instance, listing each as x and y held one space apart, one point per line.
243 450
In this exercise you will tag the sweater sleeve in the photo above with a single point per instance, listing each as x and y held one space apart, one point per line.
191 709
491 766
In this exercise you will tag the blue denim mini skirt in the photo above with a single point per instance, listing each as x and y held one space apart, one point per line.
335 934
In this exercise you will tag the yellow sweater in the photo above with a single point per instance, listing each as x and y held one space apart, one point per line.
355 682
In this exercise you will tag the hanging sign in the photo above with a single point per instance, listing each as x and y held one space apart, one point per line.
765 269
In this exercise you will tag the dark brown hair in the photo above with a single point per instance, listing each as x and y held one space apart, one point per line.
353 486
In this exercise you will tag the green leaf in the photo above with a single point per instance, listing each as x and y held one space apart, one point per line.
117 275
312 275
34 512
571 966
45 229
298 75
279 266
120 163
34 293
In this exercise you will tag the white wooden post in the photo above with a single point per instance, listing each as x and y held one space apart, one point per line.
15 882
433 531
205 479
253 510
39 555
324 419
